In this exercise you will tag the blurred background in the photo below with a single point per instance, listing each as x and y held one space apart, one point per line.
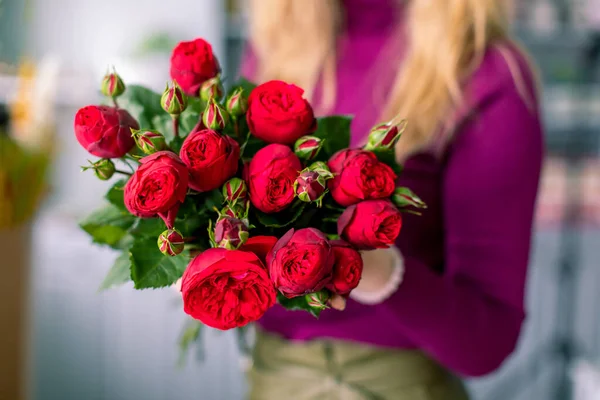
122 345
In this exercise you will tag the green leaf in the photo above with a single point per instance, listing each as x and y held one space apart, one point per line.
188 121
115 195
298 303
148 227
152 269
108 225
388 156
163 123
335 132
190 335
143 104
244 84
251 146
281 219
119 273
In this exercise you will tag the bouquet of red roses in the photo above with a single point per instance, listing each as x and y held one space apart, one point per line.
245 195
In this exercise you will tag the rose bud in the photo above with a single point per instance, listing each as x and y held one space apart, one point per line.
230 233
112 85
171 243
104 169
212 159
237 103
237 210
301 262
215 117
371 224
149 141
277 113
404 197
105 131
359 175
260 245
347 269
318 300
192 64
307 147
384 136
212 89
158 187
173 100
311 186
271 175
226 289
235 189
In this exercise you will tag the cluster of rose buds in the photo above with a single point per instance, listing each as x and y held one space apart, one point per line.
231 229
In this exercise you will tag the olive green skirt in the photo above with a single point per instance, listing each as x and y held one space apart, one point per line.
327 370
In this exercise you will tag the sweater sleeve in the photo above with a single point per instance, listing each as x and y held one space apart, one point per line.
470 317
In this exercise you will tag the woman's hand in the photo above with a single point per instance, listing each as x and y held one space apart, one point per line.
378 272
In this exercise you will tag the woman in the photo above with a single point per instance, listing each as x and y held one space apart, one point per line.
449 301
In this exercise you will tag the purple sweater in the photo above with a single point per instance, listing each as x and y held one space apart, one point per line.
462 297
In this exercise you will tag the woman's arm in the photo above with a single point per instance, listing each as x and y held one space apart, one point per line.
470 318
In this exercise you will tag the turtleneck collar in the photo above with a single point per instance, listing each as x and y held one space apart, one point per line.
371 16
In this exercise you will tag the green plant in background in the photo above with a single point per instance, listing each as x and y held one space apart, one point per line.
160 42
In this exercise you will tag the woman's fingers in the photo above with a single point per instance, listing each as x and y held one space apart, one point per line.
337 302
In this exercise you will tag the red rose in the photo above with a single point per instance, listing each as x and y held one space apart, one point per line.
359 175
277 113
372 224
260 245
347 269
270 176
158 187
211 157
301 262
105 131
226 289
193 63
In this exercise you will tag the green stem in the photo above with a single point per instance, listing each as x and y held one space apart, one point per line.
130 157
114 99
176 126
118 171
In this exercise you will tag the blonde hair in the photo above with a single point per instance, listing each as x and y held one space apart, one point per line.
296 40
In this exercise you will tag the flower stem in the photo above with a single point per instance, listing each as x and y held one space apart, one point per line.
118 171
114 99
130 157
176 126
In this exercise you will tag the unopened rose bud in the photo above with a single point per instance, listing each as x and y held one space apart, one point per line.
311 186
230 233
237 103
215 117
307 147
104 169
149 141
404 197
212 89
318 300
112 85
173 100
235 189
171 243
237 210
384 136
322 168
